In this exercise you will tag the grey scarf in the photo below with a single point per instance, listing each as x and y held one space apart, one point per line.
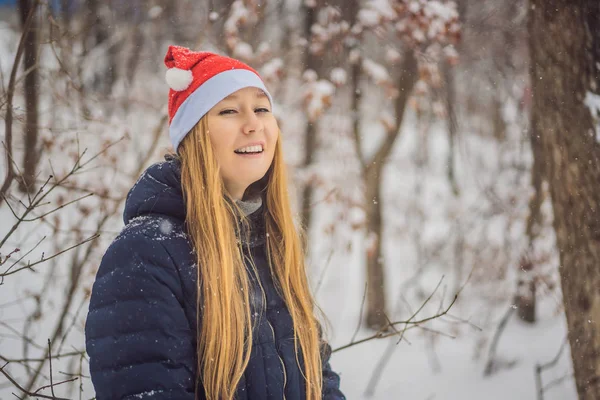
249 206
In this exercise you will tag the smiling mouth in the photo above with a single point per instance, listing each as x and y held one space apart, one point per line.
256 149
248 152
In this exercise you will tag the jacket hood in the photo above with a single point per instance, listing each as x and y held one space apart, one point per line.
157 191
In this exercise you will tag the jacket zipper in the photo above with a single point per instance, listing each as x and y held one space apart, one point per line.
278 356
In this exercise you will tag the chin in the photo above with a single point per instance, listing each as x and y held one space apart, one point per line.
254 175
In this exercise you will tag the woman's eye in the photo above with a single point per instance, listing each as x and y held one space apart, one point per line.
262 110
225 112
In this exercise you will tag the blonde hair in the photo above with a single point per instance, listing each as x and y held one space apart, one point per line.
224 321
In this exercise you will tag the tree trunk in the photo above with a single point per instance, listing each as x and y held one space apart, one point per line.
310 133
372 175
564 46
376 293
30 151
452 124
222 7
173 22
525 299
100 33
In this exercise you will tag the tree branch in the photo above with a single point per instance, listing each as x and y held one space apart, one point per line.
8 119
32 394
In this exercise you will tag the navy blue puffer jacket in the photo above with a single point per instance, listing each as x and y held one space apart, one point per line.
141 327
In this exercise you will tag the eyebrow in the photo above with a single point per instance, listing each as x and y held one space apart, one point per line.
259 94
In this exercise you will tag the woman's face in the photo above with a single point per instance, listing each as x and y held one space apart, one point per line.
243 132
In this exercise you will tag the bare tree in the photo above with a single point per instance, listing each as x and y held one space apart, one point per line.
310 133
8 103
372 173
407 73
364 34
30 63
564 46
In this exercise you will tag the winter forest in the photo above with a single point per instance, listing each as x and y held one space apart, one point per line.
444 160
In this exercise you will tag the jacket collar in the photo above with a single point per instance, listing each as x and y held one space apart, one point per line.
158 191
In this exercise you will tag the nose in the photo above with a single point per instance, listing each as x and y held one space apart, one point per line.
252 123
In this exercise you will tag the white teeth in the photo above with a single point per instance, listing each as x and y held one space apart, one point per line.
250 149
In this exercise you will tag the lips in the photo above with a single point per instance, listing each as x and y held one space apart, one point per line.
250 155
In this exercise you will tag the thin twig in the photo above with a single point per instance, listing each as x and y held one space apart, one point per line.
322 277
489 367
58 208
73 321
20 335
24 360
360 317
50 361
28 266
26 212
465 321
557 381
32 394
19 259
35 202
56 384
380 334
539 368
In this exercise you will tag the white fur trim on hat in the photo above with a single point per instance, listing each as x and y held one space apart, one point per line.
207 96
179 79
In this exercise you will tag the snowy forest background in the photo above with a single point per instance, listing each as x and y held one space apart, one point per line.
428 181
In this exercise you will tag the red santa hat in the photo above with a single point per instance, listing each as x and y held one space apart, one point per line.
198 81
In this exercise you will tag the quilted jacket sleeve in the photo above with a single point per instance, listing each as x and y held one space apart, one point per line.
137 335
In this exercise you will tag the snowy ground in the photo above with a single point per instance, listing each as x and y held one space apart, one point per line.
411 373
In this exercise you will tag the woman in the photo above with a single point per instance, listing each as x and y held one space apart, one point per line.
204 293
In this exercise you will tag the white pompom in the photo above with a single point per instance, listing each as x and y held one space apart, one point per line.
179 79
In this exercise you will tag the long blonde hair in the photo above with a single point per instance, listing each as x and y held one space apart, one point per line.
224 319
